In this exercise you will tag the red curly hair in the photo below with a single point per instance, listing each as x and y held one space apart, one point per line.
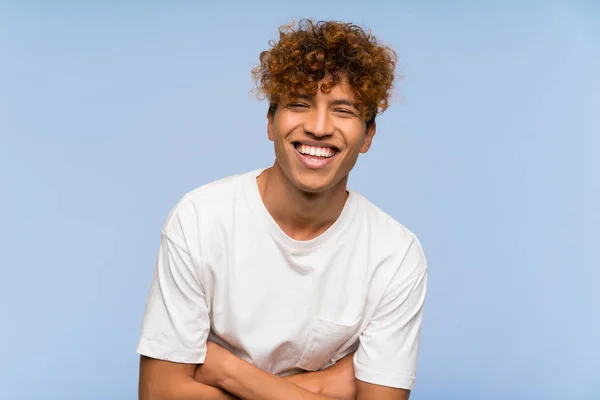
310 51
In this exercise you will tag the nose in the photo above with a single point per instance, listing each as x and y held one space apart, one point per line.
318 123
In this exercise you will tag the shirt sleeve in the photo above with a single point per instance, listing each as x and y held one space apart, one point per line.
388 350
176 322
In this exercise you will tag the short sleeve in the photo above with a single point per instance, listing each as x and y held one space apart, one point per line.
176 321
388 350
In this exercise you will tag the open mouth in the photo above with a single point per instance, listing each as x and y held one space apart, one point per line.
314 151
315 157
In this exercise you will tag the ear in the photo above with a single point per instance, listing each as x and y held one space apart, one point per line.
369 134
270 133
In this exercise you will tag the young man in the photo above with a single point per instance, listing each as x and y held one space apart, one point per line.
281 283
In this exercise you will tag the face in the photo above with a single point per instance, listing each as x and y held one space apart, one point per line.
318 138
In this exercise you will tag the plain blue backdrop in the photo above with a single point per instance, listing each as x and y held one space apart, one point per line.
111 110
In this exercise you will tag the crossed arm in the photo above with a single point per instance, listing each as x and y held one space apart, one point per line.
223 376
391 336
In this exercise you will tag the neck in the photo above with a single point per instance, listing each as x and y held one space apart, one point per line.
301 215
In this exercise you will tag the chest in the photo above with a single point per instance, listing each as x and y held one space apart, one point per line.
284 310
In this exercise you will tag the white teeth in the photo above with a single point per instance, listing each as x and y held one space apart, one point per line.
315 151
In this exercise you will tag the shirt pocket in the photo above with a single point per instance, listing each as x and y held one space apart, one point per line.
325 340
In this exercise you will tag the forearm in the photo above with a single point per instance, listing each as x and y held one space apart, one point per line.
189 390
163 380
312 381
251 383
336 381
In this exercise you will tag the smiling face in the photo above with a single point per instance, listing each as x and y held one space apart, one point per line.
318 138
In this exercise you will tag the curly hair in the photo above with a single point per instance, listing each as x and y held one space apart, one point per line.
306 54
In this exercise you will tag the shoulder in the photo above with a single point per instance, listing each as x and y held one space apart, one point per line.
395 244
205 203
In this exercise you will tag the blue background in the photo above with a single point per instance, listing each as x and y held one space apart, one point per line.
110 111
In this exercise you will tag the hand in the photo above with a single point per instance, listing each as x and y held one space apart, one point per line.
212 371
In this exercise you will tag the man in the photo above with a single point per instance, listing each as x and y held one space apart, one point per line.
282 283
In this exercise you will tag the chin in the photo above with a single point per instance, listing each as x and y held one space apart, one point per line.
311 181
312 189
312 184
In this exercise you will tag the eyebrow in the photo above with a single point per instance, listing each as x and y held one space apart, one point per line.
338 102
342 102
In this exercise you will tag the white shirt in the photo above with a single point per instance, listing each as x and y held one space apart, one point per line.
227 272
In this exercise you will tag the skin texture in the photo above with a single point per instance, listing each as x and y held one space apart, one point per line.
336 381
366 391
164 380
161 379
303 201
223 370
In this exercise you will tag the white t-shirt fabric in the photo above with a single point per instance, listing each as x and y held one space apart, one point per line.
227 272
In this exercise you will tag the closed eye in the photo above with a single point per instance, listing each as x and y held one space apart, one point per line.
344 111
297 105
